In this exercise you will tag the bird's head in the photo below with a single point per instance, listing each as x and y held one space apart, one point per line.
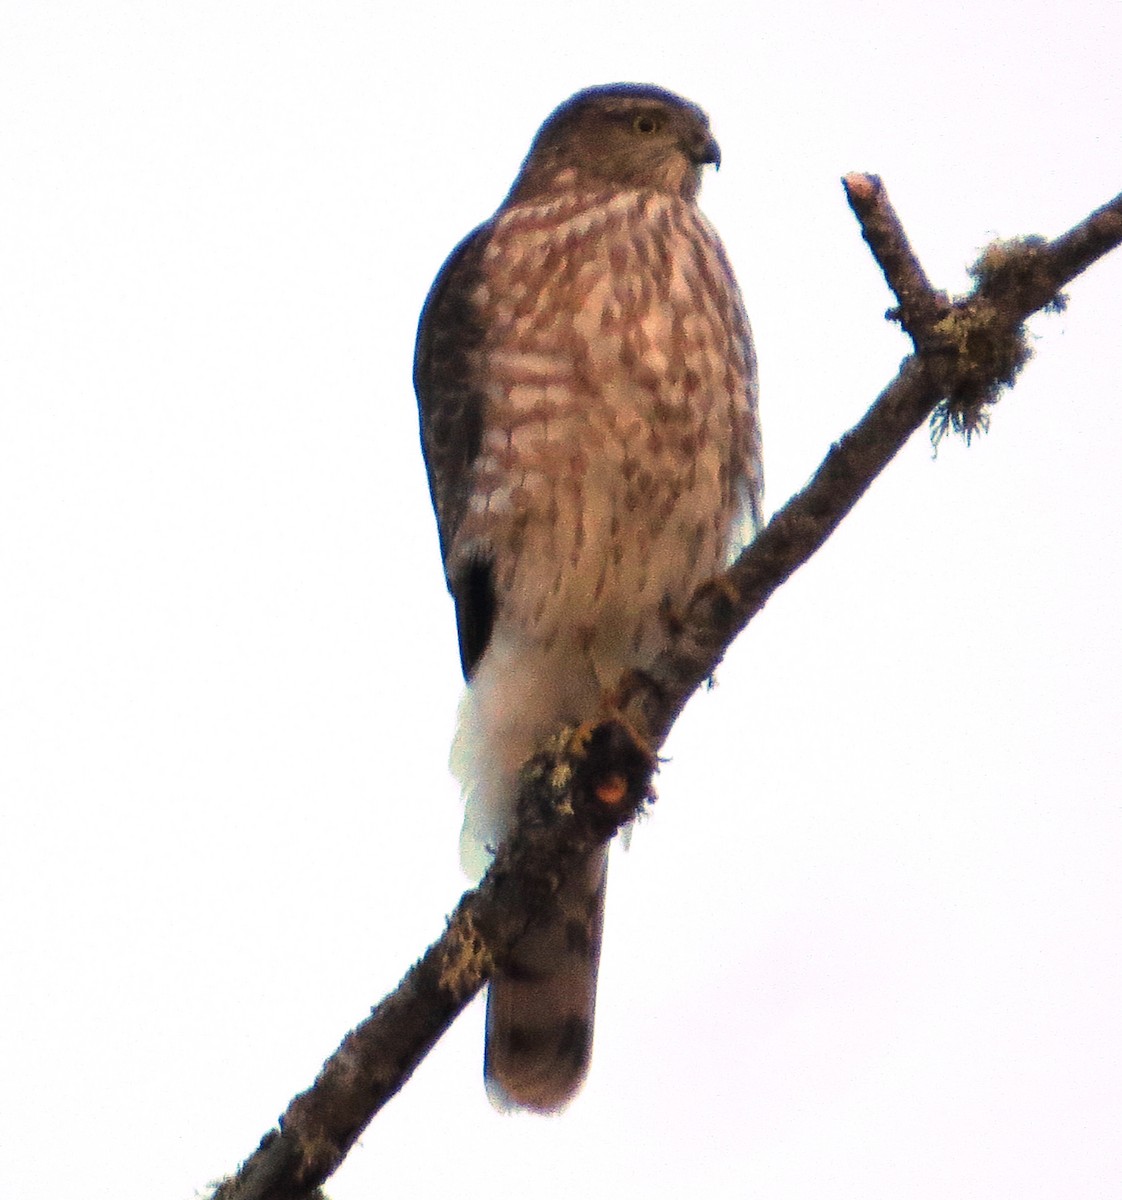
624 135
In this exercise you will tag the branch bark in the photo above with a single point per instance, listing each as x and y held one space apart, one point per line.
965 353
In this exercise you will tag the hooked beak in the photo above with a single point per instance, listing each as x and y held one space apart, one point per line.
706 150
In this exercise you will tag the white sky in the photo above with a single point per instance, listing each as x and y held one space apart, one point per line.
867 946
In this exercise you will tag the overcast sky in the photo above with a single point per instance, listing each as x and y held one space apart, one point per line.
867 944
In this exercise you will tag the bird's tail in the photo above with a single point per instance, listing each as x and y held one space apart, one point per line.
540 1009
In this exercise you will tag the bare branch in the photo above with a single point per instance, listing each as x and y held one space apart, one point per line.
921 307
965 353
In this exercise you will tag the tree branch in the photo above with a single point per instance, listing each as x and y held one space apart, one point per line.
965 353
920 306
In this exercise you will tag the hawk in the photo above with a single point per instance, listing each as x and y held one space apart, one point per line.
587 391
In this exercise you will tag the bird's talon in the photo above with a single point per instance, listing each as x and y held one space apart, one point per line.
673 617
725 587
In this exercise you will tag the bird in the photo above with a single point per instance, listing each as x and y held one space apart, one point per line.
587 391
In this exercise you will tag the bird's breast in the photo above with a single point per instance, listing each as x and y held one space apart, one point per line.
614 381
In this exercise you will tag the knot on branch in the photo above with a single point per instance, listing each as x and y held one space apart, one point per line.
600 772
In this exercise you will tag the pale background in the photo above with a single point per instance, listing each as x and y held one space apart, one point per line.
867 946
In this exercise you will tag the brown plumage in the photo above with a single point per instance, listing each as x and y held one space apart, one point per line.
587 392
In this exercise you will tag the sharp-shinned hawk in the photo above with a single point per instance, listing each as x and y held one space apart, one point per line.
587 390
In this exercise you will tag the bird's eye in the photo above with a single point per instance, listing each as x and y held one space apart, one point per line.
645 123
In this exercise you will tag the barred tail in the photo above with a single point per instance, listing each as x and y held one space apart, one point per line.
540 1010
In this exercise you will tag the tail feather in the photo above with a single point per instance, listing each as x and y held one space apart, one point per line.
540 1009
